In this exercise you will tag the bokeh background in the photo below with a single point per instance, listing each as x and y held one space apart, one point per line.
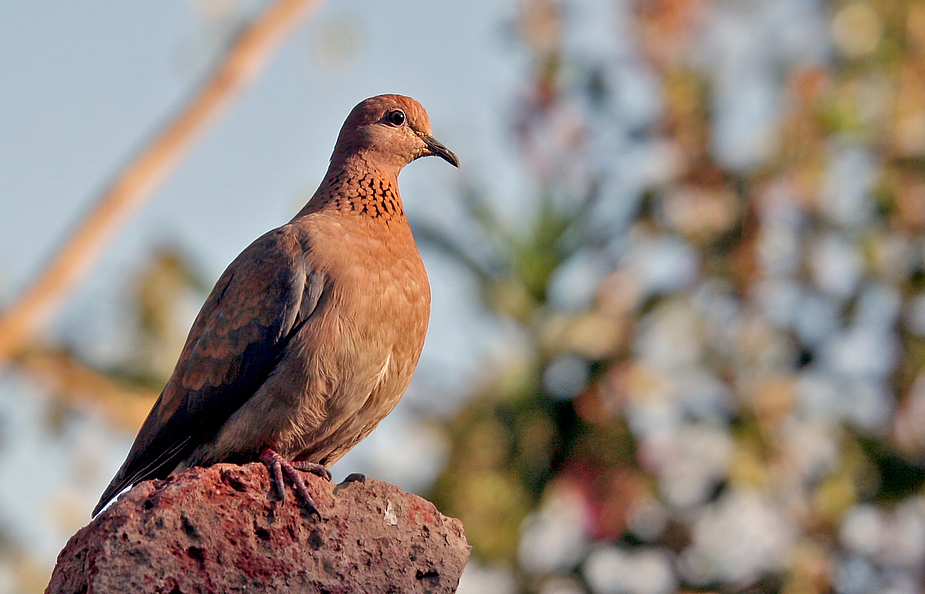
678 337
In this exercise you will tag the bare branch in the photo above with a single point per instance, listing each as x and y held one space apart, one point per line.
133 185
72 383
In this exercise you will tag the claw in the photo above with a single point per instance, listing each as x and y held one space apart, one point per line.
314 468
279 466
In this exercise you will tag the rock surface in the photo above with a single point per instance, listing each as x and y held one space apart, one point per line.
224 529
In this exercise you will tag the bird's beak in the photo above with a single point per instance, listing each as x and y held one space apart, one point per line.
438 150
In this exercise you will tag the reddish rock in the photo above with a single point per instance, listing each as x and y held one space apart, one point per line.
223 529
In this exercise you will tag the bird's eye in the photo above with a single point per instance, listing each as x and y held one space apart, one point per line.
396 117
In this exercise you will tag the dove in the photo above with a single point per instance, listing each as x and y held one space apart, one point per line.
311 335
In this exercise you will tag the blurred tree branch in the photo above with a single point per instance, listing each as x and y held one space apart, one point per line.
74 383
21 321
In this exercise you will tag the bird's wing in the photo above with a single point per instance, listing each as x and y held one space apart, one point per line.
263 297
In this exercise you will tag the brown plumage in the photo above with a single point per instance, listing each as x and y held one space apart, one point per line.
312 334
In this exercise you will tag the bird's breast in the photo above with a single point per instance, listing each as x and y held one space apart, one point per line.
378 308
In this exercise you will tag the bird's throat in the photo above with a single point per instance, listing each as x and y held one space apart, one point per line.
367 195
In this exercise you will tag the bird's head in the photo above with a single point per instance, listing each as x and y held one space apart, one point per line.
388 132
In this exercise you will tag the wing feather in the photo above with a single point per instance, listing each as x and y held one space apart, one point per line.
234 344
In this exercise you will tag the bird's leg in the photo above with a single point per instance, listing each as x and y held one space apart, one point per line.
279 466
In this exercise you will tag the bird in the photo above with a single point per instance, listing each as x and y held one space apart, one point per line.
311 335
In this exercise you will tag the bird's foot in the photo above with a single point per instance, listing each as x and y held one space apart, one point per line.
314 468
279 466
